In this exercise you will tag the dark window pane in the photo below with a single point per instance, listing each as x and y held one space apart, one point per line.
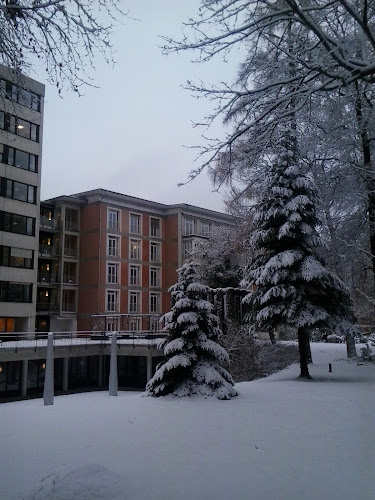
30 226
22 160
31 194
23 128
8 190
25 98
20 191
33 163
34 132
18 224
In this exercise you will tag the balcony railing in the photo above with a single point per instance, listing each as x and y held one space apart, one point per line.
69 280
48 250
71 226
46 307
71 252
47 278
46 223
69 307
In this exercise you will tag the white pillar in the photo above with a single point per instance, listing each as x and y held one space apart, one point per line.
113 379
48 392
25 365
65 374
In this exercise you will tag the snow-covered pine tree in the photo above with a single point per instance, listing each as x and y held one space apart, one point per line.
192 356
292 286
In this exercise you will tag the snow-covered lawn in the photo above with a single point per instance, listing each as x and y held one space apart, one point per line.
282 438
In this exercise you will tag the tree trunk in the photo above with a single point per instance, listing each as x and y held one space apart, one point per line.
350 345
308 350
303 341
272 337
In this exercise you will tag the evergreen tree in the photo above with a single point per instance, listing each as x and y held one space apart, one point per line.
192 356
292 286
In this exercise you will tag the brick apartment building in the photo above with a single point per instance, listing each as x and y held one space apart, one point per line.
21 123
106 260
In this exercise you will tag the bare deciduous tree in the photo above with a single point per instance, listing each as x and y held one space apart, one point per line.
64 35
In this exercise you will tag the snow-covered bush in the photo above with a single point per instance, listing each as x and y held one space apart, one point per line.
193 358
368 352
336 339
252 358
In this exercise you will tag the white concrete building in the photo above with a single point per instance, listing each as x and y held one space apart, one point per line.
21 131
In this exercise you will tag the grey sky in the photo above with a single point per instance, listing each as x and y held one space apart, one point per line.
129 135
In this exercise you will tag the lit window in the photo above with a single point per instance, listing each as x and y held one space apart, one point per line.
135 249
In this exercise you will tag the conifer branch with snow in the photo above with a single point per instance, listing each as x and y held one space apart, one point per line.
193 358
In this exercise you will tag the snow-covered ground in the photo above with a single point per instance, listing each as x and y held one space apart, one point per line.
282 438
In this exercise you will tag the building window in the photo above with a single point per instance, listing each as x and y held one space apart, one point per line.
111 325
112 273
135 249
135 324
18 158
188 248
15 292
24 97
16 257
154 324
189 227
135 223
113 248
154 252
205 229
113 219
17 190
154 302
16 125
134 302
135 275
154 227
69 301
71 219
112 303
155 276
19 224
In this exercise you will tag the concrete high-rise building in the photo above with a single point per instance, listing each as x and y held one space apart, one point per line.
21 130
107 260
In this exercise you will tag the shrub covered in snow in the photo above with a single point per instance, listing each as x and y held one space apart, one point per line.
252 358
192 357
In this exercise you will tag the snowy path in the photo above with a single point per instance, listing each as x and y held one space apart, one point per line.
280 439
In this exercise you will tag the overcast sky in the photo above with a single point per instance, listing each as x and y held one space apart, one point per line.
129 135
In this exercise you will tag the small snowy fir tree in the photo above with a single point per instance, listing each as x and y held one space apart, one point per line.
291 286
192 356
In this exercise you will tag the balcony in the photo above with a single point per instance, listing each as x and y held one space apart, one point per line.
70 252
48 250
47 223
47 279
70 280
71 226
45 308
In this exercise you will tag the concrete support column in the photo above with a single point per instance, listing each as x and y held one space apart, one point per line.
25 365
65 374
149 366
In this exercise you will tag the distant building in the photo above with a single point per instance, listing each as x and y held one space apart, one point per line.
107 260
21 130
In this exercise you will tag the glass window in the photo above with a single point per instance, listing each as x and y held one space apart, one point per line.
205 229
113 246
135 249
15 292
154 302
154 276
155 227
20 191
24 97
23 128
135 223
22 160
188 248
154 252
134 275
112 300
134 302
112 273
135 324
189 227
113 219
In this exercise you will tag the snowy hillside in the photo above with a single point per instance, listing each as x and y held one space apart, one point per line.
282 438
